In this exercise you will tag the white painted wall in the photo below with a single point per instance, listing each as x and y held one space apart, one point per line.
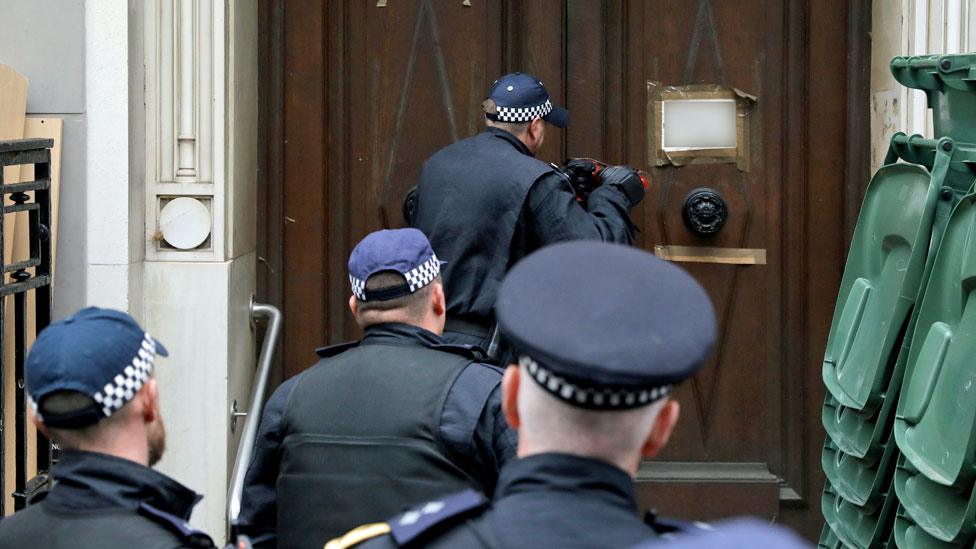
200 311
911 27
114 266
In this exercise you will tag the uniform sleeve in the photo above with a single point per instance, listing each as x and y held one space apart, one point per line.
473 427
504 439
259 509
554 215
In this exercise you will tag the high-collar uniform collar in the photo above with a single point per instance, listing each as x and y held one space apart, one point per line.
396 333
560 500
407 335
91 480
584 477
507 136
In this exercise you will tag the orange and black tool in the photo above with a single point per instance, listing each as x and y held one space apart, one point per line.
584 176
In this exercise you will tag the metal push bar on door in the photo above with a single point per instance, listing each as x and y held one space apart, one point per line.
253 415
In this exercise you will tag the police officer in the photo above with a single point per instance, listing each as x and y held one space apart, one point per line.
486 201
90 382
604 332
395 419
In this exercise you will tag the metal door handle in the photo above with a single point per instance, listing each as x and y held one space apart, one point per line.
253 416
705 211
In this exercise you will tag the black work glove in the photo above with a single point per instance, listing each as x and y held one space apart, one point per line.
580 174
580 165
627 180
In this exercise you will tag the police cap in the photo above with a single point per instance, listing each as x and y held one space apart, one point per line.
403 251
520 97
605 326
101 353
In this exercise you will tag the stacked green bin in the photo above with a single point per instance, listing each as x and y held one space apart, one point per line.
829 541
897 474
861 363
935 421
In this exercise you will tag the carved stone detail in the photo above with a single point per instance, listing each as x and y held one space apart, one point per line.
184 83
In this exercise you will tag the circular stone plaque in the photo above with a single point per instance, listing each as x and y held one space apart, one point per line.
185 223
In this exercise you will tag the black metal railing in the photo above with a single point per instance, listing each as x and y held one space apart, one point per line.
17 279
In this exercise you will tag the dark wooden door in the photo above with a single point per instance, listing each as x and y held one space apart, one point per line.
355 95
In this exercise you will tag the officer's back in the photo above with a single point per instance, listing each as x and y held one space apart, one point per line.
604 333
375 426
90 379
486 201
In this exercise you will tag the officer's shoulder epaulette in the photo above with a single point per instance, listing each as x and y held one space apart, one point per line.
493 367
468 351
411 525
358 535
175 524
664 526
333 350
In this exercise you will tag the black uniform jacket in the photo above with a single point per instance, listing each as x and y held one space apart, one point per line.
104 501
544 500
471 428
484 202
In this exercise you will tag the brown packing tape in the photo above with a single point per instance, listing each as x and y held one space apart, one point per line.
382 3
706 254
657 94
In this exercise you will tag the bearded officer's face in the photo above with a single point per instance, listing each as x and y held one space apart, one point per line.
156 437
153 418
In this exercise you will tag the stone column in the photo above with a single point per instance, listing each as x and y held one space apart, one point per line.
200 147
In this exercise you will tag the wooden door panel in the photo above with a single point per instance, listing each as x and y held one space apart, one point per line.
366 93
419 73
689 51
416 76
303 134
723 443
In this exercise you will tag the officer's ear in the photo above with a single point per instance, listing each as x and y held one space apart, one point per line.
661 430
536 132
149 393
354 307
510 389
537 126
438 301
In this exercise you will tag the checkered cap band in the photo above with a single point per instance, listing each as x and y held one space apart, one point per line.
126 384
589 397
358 288
417 278
423 274
523 114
